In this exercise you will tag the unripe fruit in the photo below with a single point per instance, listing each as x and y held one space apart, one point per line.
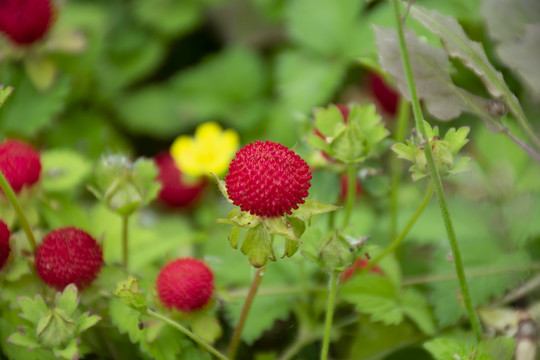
175 190
68 255
5 249
267 179
25 21
20 163
185 284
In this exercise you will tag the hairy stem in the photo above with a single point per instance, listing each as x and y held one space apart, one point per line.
408 227
329 315
435 177
12 198
351 193
125 252
235 341
532 153
186 332
403 119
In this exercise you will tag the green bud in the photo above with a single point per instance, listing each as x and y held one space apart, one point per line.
129 292
336 252
55 328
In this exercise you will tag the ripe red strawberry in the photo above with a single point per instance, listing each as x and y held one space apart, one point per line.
360 263
175 190
5 249
68 255
267 179
25 21
20 163
185 284
385 95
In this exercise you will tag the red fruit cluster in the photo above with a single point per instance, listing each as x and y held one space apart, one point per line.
267 179
185 284
359 264
175 191
5 249
68 255
25 21
20 164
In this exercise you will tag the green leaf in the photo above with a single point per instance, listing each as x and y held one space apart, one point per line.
457 138
457 44
506 19
69 352
520 55
430 66
27 340
305 81
257 246
41 72
329 121
55 329
416 308
207 327
63 169
32 310
5 91
168 17
311 208
280 226
68 300
17 117
86 321
442 348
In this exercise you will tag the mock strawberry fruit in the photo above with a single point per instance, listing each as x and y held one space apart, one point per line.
267 179
185 284
5 249
385 95
68 255
25 21
20 163
175 190
359 264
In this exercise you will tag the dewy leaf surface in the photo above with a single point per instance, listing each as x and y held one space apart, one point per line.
458 45
430 65
522 56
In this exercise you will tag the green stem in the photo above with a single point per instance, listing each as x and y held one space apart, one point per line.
403 119
408 227
435 177
125 252
351 193
12 198
235 341
329 315
186 332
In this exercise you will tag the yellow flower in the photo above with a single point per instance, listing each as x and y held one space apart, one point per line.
209 151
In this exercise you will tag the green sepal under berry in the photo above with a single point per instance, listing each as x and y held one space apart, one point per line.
444 151
55 328
125 186
259 237
334 251
352 141
129 292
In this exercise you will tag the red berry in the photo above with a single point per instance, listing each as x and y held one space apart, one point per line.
25 21
185 284
20 163
360 263
175 191
68 255
267 179
387 97
5 249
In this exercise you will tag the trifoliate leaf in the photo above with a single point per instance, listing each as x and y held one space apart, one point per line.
521 55
457 44
430 66
63 170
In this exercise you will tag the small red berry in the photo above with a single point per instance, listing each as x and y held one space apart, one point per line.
68 255
25 21
267 179
385 95
185 284
20 163
5 249
360 263
175 191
